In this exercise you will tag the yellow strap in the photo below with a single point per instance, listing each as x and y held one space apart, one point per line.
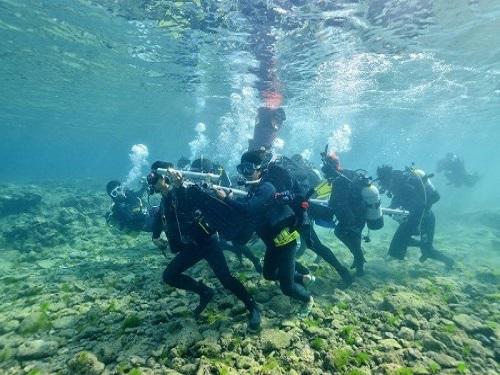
285 237
323 190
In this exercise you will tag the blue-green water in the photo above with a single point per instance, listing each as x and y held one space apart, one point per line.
81 81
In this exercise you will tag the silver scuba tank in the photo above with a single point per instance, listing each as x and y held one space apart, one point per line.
374 216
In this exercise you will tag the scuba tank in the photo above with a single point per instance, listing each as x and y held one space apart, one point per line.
371 198
430 194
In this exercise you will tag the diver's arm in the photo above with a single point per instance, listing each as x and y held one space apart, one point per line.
157 226
251 206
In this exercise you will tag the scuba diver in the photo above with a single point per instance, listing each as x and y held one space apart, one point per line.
236 245
183 163
353 200
297 180
454 170
267 124
192 239
275 224
128 211
412 190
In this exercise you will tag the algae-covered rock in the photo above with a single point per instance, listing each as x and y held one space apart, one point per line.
208 347
85 363
274 339
467 322
186 336
389 344
36 321
36 349
64 322
430 344
280 304
406 333
405 302
443 359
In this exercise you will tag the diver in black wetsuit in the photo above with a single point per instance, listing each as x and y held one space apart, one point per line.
275 225
236 245
192 239
348 206
128 210
183 162
412 191
299 180
454 170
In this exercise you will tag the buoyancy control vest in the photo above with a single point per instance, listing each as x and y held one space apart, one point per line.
361 186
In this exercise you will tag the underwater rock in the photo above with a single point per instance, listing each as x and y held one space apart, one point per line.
186 337
467 322
406 302
208 347
389 344
33 235
64 322
8 325
406 333
245 362
489 219
34 322
411 322
85 363
280 304
36 349
488 277
274 339
443 359
431 344
19 201
84 202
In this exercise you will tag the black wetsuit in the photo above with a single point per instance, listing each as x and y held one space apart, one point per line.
454 170
412 193
299 183
193 240
350 211
269 219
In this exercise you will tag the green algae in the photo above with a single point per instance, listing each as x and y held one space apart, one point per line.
355 371
270 365
362 358
112 306
131 321
41 322
319 344
212 316
433 367
449 328
462 368
348 333
310 322
341 358
403 371
5 354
